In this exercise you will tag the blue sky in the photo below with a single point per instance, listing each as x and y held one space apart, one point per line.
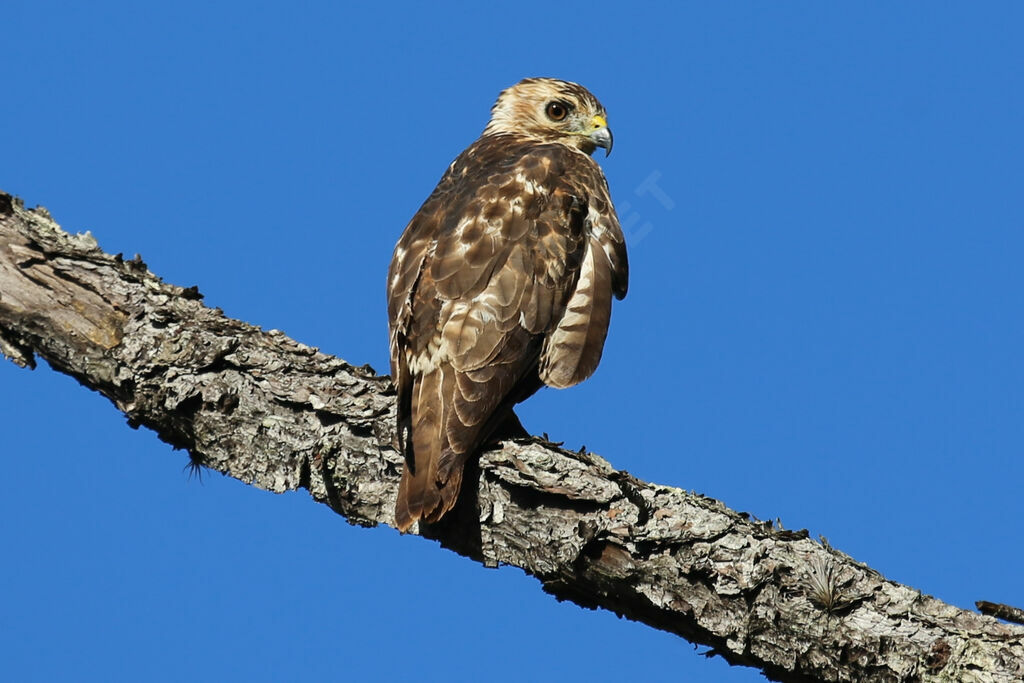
826 227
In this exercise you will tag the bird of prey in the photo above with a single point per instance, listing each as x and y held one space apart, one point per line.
501 283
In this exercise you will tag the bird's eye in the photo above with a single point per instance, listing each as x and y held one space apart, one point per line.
556 110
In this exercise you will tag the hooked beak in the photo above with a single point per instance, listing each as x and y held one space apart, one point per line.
601 135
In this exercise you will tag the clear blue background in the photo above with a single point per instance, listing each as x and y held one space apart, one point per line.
823 325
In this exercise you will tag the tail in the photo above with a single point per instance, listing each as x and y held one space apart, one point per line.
451 413
433 470
420 498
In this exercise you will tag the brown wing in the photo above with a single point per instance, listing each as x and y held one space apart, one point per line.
573 349
478 288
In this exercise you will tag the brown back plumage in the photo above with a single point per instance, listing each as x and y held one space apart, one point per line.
501 282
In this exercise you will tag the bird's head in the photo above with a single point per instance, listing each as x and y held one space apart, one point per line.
551 110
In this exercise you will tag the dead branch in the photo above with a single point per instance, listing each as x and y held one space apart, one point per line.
280 415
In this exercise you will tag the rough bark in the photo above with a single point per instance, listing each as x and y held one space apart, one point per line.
280 415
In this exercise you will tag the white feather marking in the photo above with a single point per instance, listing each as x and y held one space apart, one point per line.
464 224
529 186
596 221
609 251
433 356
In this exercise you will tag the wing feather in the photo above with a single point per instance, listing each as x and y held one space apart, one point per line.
573 350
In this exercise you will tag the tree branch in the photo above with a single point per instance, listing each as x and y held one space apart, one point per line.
280 415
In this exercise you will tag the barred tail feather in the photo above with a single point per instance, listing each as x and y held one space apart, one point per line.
433 473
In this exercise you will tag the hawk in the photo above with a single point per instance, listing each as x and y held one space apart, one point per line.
501 283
